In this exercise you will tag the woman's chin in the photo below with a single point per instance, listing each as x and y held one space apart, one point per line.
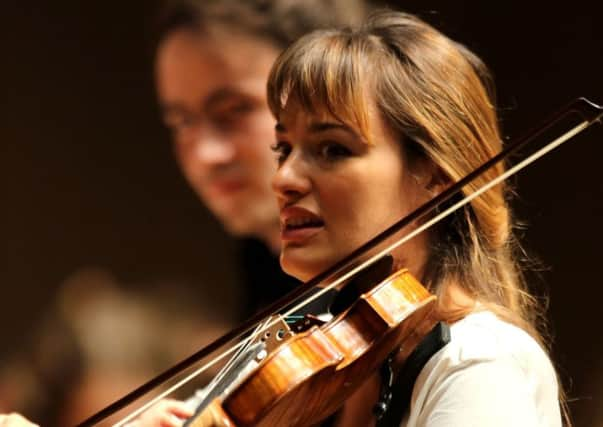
301 269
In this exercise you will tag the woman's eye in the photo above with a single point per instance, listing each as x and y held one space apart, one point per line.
332 151
282 150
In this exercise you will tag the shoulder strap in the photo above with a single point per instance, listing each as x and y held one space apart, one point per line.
399 393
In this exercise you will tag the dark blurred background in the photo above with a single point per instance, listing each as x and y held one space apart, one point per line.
88 179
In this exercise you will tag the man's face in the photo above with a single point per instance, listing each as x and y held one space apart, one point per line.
212 95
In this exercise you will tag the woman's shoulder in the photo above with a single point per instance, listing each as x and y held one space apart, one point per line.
482 336
488 364
481 342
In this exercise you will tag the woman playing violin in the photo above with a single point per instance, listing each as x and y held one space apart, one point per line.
372 123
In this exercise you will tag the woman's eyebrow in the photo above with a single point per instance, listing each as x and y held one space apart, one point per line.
318 127
325 126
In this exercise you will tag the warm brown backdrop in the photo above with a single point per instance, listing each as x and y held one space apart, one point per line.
87 176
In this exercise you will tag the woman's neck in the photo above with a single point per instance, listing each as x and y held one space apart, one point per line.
454 303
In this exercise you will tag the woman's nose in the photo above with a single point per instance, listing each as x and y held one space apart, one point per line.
292 180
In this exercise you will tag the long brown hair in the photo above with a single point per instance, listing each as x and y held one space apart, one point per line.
438 96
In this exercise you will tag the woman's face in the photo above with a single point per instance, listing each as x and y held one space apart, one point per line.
336 191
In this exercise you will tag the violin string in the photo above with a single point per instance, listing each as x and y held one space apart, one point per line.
232 361
262 326
177 385
240 348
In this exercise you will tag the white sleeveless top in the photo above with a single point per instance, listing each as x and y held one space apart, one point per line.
490 374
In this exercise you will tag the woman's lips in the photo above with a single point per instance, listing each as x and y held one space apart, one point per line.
299 235
299 224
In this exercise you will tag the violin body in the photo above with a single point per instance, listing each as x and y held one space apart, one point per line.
311 375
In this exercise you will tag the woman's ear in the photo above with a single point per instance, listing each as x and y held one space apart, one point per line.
430 177
438 180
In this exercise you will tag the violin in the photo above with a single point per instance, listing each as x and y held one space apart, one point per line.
312 374
314 367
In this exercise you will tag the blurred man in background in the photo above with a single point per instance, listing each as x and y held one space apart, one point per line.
212 63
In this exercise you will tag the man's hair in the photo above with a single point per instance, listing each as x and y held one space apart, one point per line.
279 22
